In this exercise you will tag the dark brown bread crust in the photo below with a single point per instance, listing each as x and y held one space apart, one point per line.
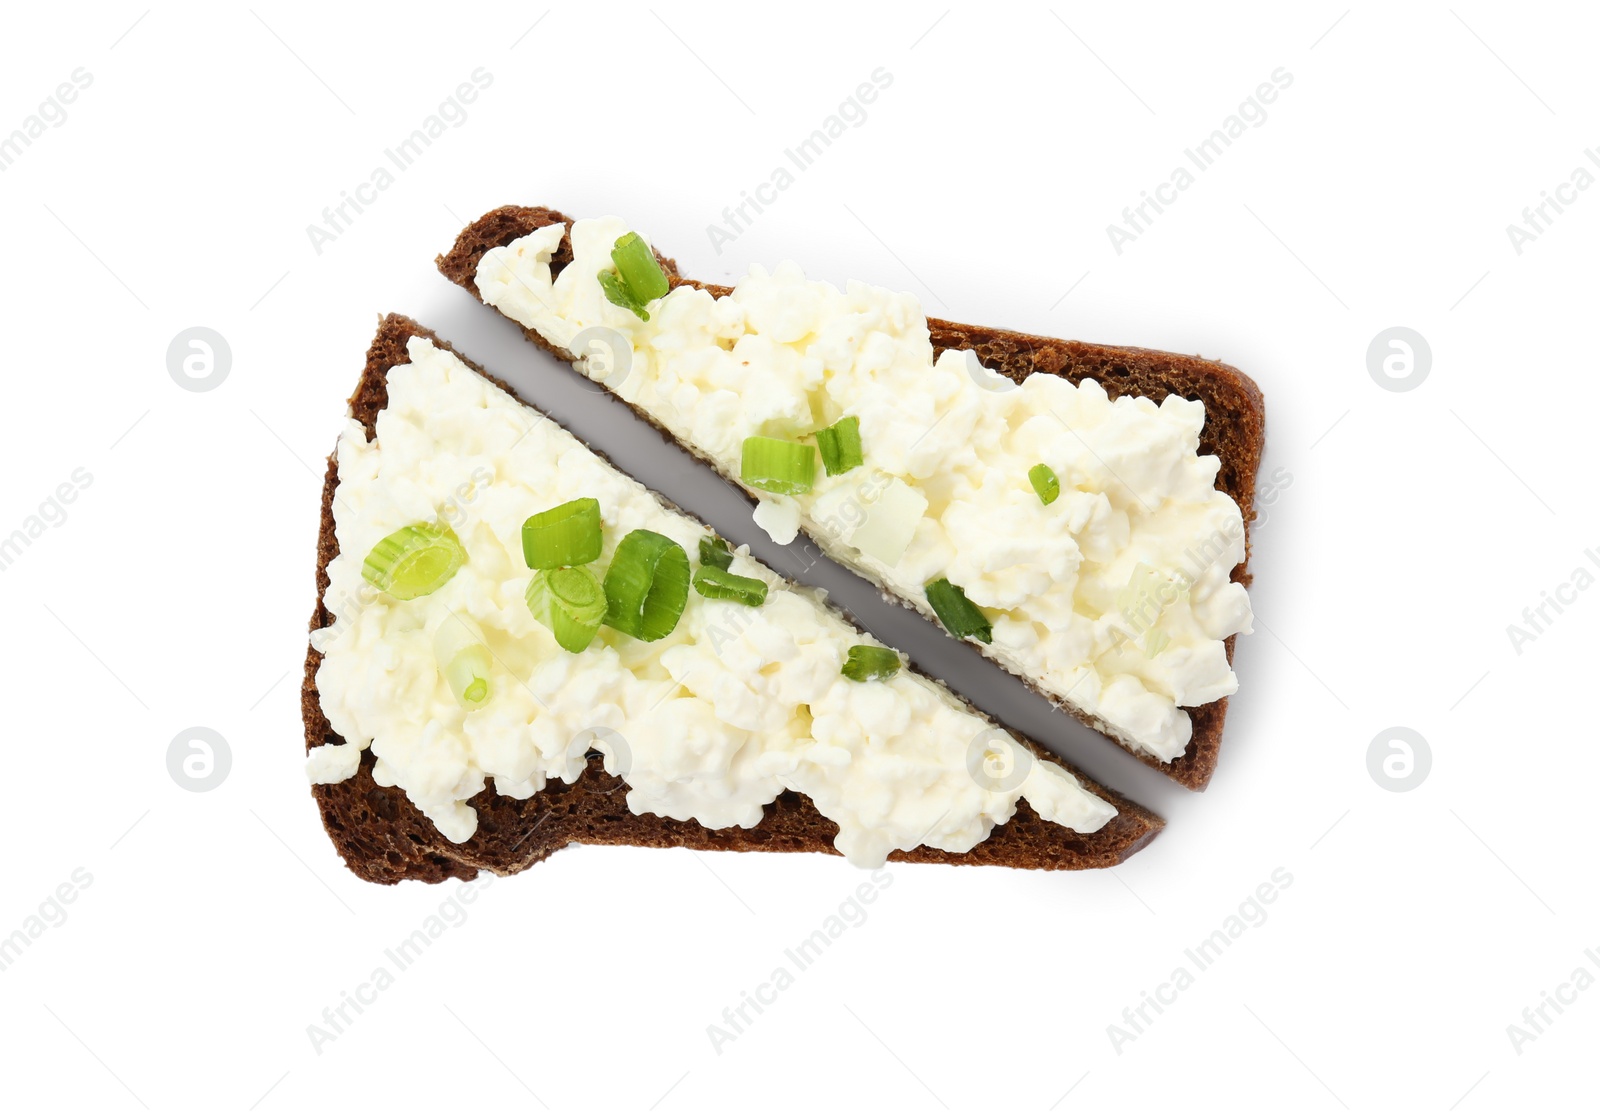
1235 427
384 838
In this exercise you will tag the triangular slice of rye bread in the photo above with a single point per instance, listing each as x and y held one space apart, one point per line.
1235 424
384 838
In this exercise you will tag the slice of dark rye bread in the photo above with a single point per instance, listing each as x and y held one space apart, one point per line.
1234 431
384 838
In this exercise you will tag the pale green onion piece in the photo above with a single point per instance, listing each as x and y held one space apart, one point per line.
647 585
563 537
1147 595
715 553
871 663
841 446
778 466
414 561
1045 483
890 522
467 674
617 291
570 602
714 583
638 267
1155 640
959 614
464 663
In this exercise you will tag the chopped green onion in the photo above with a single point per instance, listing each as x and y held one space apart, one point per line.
637 278
1147 595
638 268
1045 483
414 561
570 602
715 553
841 445
467 674
617 291
958 613
778 466
463 662
871 663
890 522
563 537
714 583
647 586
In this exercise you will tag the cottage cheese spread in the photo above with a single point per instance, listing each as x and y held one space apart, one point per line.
709 724
1115 598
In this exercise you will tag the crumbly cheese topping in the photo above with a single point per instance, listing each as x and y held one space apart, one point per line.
708 724
1116 598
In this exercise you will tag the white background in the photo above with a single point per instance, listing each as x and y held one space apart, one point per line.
1417 527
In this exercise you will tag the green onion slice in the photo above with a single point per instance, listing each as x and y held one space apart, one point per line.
617 291
647 586
467 674
463 662
563 537
570 602
414 561
871 663
714 583
638 268
1045 483
958 613
778 466
841 445
715 553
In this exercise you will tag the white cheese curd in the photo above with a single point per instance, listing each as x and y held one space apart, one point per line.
944 490
333 762
710 723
